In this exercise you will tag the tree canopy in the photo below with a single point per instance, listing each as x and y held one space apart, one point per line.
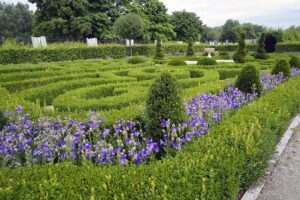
15 20
187 25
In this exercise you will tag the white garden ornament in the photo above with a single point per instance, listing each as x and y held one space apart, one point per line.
39 42
91 42
209 51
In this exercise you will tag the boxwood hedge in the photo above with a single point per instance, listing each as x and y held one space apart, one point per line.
29 55
217 166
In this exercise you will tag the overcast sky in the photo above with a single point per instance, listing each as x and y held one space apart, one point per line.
271 13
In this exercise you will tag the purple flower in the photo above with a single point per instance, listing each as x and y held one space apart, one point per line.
19 110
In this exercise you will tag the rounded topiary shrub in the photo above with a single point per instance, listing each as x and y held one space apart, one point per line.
136 60
164 102
177 62
207 61
249 80
294 62
282 66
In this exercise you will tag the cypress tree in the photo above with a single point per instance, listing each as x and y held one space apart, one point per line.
241 52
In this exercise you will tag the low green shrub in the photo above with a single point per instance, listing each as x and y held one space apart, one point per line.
282 66
164 102
136 60
207 61
229 158
294 62
249 80
224 74
177 62
196 73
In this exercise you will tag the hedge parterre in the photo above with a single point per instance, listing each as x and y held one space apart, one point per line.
50 140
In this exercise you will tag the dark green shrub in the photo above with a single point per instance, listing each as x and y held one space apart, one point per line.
190 48
159 54
3 120
207 61
136 60
164 102
249 80
196 73
261 51
224 74
224 53
294 62
177 62
239 56
282 66
160 61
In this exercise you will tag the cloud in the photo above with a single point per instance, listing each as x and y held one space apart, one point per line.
272 13
215 12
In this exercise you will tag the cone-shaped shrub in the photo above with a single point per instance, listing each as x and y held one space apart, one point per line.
294 62
282 66
164 102
261 52
159 53
249 80
190 48
240 54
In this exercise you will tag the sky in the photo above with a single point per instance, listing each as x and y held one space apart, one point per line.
271 13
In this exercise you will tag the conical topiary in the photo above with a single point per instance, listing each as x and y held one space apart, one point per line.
159 53
282 66
261 52
190 48
240 54
249 80
294 62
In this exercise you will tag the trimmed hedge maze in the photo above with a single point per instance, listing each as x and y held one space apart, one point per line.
114 88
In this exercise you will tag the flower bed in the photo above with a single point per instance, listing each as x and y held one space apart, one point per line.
23 142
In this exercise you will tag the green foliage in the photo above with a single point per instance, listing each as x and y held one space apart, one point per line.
136 60
282 66
261 52
196 73
249 80
130 26
159 54
225 74
240 54
15 20
3 120
187 25
288 47
230 31
218 166
177 62
190 48
292 34
207 61
164 102
294 62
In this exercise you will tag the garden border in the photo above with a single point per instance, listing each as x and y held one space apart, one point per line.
254 191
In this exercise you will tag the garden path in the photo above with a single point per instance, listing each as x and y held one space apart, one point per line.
284 182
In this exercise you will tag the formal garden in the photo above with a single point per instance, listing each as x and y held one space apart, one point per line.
172 117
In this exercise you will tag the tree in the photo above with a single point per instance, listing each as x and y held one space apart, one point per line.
252 30
77 18
129 26
261 52
187 25
156 14
210 34
230 31
241 52
15 20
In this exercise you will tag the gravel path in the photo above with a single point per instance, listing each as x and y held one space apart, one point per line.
284 182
